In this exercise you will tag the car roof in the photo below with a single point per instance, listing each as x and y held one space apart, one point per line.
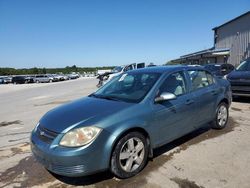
165 69
214 64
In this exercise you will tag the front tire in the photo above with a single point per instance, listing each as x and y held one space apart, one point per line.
130 155
221 118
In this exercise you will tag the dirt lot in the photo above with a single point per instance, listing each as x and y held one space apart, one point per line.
205 158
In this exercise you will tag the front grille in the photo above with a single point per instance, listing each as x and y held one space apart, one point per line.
45 134
241 88
68 169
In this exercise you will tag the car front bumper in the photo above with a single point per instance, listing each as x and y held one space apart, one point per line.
240 90
73 162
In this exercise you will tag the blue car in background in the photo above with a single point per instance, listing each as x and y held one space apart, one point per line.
119 126
240 79
219 70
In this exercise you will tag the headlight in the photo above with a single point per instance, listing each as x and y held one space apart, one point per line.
225 77
79 137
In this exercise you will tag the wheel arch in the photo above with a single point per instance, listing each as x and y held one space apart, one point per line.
125 132
225 100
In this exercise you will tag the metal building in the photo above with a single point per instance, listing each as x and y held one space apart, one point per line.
231 44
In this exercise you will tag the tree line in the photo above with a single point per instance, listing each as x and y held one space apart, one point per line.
35 70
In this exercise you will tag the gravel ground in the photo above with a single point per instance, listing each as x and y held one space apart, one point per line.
205 158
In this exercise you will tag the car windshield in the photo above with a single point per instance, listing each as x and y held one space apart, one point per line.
129 87
244 66
117 69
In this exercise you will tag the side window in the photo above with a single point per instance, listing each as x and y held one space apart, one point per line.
130 67
174 83
210 78
200 79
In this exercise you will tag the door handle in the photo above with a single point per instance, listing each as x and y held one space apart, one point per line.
189 101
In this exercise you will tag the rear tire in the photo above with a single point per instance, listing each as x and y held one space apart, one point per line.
130 155
221 118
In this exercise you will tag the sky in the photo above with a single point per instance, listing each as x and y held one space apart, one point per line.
89 33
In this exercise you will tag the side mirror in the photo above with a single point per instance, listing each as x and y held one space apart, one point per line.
165 97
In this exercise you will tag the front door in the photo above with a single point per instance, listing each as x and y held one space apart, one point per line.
174 118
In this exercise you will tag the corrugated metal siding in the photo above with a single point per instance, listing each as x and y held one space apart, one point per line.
236 36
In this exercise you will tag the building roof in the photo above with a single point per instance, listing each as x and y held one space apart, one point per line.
232 20
158 69
165 69
207 51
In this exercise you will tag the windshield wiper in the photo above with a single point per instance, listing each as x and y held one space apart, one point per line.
105 97
93 95
109 98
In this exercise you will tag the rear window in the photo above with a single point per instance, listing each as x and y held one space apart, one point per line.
213 68
18 77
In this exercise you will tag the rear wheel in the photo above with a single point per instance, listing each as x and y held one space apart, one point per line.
221 118
130 155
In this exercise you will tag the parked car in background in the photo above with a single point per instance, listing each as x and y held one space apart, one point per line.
1 80
65 77
29 79
19 80
60 77
240 79
220 70
5 79
52 77
43 78
151 65
73 76
106 77
119 126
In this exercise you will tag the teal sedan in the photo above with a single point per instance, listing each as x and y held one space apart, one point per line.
118 127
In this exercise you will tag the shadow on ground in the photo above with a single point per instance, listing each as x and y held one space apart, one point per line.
28 172
106 179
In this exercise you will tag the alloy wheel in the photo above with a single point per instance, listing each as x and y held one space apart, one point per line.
222 115
132 154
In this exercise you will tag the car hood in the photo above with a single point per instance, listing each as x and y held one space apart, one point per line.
236 75
83 112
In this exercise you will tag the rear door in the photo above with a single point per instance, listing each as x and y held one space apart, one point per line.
205 91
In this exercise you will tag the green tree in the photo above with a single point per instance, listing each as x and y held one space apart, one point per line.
44 71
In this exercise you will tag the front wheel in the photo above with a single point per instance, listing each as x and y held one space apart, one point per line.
130 155
221 118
